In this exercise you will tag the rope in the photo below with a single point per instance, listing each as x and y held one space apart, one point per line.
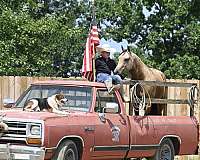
192 92
139 103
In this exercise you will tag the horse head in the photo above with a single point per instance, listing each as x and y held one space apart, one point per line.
125 61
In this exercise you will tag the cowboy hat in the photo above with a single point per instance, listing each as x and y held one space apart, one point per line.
104 48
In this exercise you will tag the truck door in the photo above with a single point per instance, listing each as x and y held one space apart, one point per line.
111 128
144 136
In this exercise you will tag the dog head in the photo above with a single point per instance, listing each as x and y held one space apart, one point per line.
61 99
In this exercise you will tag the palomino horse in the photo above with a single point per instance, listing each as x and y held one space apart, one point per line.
139 71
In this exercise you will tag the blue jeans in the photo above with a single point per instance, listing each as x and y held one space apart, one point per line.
115 79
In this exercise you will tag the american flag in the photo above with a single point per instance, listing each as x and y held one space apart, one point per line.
89 53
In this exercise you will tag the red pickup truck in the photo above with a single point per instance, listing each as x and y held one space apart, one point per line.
94 126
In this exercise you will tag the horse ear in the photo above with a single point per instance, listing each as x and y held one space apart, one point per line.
128 48
122 48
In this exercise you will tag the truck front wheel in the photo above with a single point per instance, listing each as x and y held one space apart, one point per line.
166 151
67 150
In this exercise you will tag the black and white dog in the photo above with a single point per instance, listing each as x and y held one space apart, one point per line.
50 104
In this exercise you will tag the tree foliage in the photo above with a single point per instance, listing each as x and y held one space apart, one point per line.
45 37
166 31
46 44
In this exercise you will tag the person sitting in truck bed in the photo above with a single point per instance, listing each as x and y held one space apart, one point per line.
105 66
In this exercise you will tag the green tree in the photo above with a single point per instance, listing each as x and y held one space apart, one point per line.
31 45
36 34
171 30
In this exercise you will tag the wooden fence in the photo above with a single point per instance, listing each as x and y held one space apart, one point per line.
182 95
12 87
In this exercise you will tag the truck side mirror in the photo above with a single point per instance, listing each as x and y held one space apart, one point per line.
111 108
8 103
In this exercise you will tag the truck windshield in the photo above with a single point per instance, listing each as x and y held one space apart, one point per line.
79 98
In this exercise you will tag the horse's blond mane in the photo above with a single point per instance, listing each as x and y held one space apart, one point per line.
138 68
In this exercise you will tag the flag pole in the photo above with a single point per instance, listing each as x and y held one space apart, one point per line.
93 58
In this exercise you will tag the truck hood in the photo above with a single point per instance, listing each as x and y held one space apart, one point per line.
19 114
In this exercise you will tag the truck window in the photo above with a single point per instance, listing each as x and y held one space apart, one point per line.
79 98
104 97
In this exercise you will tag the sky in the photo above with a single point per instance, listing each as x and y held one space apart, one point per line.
124 43
115 45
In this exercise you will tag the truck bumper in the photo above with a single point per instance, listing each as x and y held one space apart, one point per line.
17 152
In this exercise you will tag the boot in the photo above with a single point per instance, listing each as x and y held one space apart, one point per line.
109 86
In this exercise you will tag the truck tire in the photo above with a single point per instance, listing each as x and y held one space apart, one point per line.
165 152
67 150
